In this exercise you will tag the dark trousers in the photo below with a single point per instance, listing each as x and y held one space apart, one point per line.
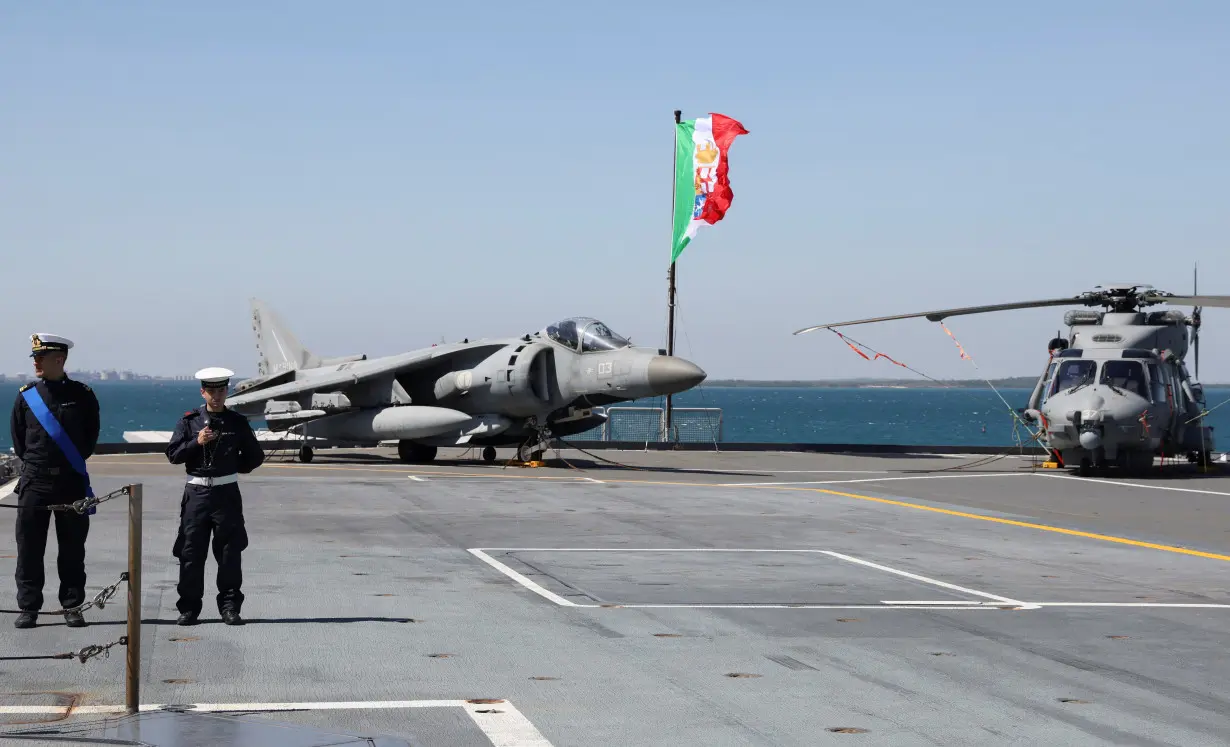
71 531
216 511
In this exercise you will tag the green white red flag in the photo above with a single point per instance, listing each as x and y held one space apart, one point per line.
702 183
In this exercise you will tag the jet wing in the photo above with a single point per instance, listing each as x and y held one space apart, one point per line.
348 374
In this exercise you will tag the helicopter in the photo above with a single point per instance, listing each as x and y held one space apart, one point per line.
1116 391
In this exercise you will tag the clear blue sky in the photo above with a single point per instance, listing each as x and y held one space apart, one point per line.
386 175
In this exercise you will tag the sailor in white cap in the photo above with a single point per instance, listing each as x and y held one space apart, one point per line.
54 426
215 445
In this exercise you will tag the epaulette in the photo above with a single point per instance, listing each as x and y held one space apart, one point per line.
27 386
190 413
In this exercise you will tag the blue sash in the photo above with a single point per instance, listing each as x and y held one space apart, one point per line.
52 426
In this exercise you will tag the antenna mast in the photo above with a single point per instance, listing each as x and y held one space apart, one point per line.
670 292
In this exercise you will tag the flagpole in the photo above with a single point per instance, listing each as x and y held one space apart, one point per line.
670 293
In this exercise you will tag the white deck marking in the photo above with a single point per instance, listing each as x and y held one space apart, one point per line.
522 579
505 726
590 479
7 489
501 722
546 594
1178 605
416 478
868 479
1130 484
924 579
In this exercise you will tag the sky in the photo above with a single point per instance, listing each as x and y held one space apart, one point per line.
388 175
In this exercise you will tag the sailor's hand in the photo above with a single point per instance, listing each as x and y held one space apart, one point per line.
205 436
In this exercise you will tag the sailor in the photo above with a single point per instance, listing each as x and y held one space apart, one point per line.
55 429
215 445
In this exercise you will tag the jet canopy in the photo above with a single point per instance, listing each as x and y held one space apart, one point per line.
585 334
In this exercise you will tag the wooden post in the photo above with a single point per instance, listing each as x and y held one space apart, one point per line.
132 673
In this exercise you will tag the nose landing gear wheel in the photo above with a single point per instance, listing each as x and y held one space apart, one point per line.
489 454
305 454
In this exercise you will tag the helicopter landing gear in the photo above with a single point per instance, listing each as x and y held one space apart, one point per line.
1085 468
1200 458
305 454
489 454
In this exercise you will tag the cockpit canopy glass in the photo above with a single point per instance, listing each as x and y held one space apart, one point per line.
585 334
1126 375
1071 373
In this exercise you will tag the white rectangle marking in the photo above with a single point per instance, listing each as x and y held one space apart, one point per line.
501 722
7 489
546 594
522 579
924 579
505 726
416 478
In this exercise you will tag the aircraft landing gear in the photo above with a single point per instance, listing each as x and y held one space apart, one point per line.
489 454
305 454
412 453
530 452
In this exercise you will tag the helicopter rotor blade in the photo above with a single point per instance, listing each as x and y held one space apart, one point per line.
1218 301
936 316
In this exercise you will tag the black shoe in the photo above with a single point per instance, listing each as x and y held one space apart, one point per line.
26 620
231 617
74 620
187 618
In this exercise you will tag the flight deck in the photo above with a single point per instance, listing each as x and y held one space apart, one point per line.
674 598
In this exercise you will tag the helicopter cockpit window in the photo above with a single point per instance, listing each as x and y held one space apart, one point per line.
1050 379
1072 373
1157 383
1126 375
565 333
598 336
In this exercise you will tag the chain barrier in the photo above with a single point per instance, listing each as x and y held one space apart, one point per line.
84 655
100 600
80 506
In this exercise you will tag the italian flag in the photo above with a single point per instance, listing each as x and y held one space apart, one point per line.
702 187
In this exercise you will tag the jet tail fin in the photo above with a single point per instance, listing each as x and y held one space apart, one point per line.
277 348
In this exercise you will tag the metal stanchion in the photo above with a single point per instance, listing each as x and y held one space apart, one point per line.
132 674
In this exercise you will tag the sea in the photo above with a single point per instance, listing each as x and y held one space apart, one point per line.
974 416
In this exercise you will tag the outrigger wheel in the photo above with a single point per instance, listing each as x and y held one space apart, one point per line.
413 453
305 454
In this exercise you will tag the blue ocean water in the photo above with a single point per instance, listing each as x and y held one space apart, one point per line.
959 417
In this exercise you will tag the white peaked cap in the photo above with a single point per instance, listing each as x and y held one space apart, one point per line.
214 375
41 342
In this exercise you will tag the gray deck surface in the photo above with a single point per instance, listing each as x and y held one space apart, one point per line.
605 605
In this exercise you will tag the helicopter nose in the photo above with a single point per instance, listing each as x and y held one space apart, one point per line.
669 375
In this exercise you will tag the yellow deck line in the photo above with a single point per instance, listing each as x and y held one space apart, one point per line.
856 496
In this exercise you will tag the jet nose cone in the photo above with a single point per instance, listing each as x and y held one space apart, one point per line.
669 375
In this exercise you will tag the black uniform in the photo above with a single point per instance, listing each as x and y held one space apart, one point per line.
47 478
216 509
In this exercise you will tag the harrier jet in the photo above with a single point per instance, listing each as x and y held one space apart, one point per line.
516 391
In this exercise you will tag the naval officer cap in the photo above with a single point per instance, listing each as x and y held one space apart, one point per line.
41 342
214 377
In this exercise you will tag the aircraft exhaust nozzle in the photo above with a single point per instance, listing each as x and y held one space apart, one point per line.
389 423
1091 440
669 375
